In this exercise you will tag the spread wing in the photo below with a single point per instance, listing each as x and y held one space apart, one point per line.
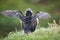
42 15
9 13
13 13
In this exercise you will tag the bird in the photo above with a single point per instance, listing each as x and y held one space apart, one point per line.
29 21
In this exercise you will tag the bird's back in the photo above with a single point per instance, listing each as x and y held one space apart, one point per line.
29 24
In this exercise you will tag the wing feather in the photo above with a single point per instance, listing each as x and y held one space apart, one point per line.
9 13
13 13
42 15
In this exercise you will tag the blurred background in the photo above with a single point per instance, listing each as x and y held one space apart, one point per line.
9 24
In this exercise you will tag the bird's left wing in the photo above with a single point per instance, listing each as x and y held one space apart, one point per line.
42 15
13 13
9 13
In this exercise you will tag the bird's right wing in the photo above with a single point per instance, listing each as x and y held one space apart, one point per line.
42 15
13 13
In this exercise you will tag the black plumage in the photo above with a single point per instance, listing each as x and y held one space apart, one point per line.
29 21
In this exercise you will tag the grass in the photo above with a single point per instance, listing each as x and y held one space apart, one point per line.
50 33
40 34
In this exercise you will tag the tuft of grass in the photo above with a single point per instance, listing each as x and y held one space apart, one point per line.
39 34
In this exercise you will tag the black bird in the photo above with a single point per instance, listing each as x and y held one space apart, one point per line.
29 22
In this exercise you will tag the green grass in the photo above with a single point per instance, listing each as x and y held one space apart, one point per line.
6 24
40 34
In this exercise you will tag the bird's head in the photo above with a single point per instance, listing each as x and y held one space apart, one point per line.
28 12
